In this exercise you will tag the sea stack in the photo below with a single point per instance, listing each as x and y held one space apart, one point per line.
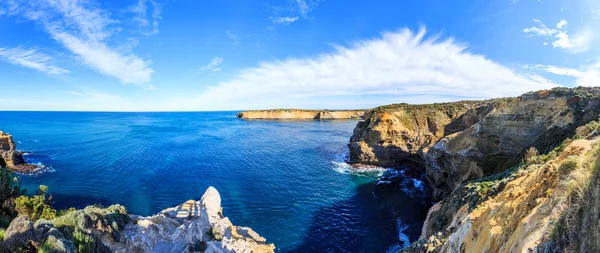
9 156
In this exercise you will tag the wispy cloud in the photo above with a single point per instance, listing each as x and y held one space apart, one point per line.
84 29
232 37
559 36
399 63
214 65
148 22
284 20
586 76
31 59
293 11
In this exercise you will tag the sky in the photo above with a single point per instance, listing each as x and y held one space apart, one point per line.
178 55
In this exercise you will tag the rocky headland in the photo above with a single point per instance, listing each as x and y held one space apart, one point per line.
508 175
302 114
194 226
11 158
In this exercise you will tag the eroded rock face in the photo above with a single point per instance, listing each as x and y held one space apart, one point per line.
497 141
513 212
462 141
9 157
392 135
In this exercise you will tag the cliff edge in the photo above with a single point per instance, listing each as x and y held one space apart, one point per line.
547 203
194 226
468 140
302 114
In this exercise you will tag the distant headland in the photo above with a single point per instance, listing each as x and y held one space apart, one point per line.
302 114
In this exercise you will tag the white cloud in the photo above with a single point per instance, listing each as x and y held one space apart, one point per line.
147 22
294 10
397 63
559 36
585 76
284 20
214 65
84 29
31 59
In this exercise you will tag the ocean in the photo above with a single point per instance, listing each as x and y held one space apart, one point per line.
287 180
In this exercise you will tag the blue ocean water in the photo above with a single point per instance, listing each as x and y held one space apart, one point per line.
284 179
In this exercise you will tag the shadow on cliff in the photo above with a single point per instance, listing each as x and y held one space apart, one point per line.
366 222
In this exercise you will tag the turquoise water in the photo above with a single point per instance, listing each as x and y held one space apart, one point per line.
285 179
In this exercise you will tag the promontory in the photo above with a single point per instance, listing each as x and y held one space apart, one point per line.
302 114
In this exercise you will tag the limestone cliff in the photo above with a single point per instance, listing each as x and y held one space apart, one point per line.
394 134
496 142
461 141
9 156
194 226
302 114
548 203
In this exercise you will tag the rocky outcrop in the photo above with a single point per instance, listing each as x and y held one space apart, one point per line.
394 134
302 114
496 142
9 156
526 209
462 141
194 226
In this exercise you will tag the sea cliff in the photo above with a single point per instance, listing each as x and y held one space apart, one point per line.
467 140
547 203
509 175
302 114
9 156
194 226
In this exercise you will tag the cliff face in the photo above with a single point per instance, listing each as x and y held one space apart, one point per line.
194 226
302 114
539 119
9 157
394 134
547 204
457 142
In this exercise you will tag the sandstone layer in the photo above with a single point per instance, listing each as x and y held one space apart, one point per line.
194 226
548 203
302 114
9 156
394 134
462 141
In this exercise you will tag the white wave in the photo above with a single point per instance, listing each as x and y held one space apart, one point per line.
409 185
40 169
403 238
368 171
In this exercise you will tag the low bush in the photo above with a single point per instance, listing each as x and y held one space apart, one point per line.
36 206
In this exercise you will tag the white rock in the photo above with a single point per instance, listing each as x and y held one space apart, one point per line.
211 201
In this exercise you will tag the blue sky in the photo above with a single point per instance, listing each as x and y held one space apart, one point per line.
167 55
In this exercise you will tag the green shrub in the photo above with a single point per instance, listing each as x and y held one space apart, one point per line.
84 242
37 206
10 189
2 231
567 166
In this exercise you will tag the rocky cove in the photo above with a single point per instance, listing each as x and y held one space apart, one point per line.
506 175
